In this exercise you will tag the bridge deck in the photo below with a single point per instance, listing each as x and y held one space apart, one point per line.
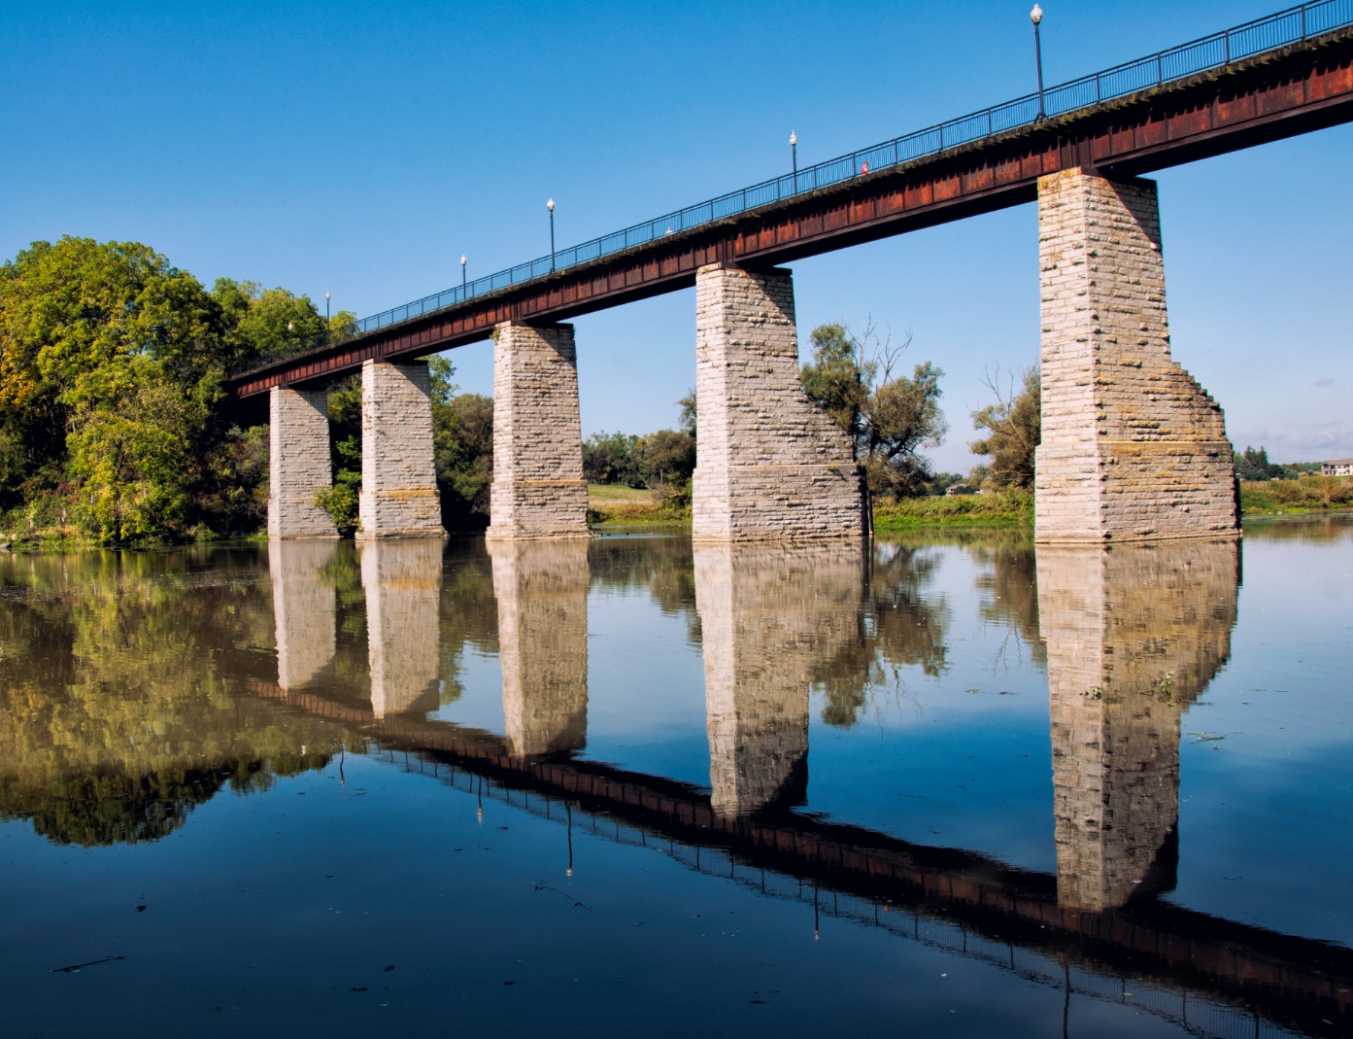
1270 96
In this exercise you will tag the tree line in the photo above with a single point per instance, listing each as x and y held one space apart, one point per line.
115 423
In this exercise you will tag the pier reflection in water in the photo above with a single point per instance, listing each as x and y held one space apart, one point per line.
771 617
1133 636
541 588
136 687
403 582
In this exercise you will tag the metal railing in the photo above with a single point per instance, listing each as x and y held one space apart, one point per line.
1210 52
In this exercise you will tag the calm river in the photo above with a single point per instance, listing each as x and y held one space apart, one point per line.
948 785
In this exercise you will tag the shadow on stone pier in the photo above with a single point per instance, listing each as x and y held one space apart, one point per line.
541 588
1134 634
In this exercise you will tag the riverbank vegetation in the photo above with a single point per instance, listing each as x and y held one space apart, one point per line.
1305 494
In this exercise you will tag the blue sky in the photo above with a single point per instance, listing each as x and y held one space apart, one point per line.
362 148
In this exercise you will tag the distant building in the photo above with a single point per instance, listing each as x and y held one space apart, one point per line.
1338 467
961 488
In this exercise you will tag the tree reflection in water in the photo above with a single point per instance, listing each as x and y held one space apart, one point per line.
899 624
117 713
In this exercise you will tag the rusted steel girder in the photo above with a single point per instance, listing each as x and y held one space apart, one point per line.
1280 94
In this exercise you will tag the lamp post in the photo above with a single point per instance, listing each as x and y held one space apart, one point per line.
463 288
326 306
1036 16
794 156
550 206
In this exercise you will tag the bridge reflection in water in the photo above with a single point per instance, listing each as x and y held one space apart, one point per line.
1132 634
1132 637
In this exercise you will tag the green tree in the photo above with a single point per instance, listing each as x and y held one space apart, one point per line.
463 448
1254 465
667 456
113 410
340 500
687 404
839 377
613 458
1014 430
111 370
274 323
888 418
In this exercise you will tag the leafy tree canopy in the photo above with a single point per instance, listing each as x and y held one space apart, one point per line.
112 402
888 417
1014 430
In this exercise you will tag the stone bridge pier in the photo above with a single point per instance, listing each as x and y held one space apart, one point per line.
769 464
772 621
402 581
541 587
298 464
1134 635
1132 447
538 486
399 497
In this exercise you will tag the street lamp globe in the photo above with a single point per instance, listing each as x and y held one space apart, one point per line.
550 205
793 138
1036 15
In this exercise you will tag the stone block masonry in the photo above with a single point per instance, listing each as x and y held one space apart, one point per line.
771 465
298 464
1132 447
399 496
538 486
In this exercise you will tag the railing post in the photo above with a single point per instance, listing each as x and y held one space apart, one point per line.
1227 37
1159 78
1303 21
1097 91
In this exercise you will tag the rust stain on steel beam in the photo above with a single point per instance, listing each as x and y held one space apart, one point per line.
1307 88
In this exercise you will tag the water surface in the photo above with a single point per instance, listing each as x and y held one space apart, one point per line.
940 785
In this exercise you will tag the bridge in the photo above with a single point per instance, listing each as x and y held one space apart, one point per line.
1132 447
1122 622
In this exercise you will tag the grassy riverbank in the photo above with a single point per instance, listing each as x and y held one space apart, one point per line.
618 506
1310 494
611 505
1005 508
